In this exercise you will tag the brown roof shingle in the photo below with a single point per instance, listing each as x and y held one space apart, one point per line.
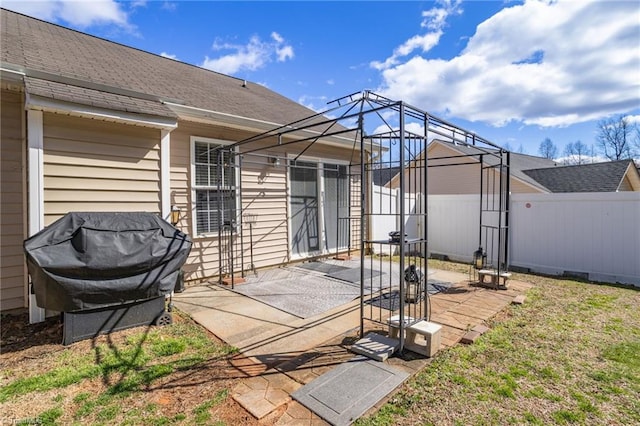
86 61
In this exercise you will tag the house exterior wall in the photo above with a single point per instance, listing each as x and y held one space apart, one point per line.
92 165
264 194
456 179
12 200
626 185
464 179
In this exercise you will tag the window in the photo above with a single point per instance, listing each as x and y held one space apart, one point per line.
215 186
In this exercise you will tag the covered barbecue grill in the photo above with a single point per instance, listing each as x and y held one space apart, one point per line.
112 269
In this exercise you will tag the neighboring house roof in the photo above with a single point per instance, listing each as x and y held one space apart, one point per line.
595 177
382 176
67 65
548 176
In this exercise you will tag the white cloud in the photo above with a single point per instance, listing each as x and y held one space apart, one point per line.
546 63
251 56
168 55
633 119
77 13
434 20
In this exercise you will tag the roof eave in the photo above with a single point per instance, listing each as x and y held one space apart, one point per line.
211 117
39 103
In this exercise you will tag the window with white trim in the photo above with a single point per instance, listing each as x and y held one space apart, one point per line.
215 186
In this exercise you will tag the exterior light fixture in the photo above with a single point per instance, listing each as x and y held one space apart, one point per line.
275 161
479 258
175 215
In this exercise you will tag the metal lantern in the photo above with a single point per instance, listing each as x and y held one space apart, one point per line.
479 258
175 215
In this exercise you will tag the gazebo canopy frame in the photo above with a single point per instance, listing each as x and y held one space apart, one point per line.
383 135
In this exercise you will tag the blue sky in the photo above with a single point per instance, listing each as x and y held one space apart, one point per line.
513 72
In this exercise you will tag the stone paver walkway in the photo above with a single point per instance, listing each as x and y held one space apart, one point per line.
294 354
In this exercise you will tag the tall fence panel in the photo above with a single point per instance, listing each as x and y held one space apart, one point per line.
384 205
453 225
592 234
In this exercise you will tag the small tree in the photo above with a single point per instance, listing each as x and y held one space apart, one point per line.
548 149
614 138
576 153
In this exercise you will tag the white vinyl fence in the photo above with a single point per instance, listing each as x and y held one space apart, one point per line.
385 207
595 235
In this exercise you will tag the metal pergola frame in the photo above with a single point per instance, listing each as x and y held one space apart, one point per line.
380 132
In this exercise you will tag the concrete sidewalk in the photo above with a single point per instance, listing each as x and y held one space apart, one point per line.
282 352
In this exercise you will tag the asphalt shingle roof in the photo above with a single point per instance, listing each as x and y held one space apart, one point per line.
79 60
550 176
382 176
95 98
596 177
518 163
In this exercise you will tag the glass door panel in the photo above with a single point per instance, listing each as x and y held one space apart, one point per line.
304 208
335 207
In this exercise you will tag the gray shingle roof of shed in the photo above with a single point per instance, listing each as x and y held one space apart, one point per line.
596 177
38 46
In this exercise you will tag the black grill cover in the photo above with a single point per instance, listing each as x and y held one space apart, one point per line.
93 260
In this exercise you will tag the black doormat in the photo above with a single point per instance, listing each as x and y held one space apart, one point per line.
325 268
352 275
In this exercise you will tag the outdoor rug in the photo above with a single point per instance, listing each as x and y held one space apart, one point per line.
303 297
391 300
345 393
324 267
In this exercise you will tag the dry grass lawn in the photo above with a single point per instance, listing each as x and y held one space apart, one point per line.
569 355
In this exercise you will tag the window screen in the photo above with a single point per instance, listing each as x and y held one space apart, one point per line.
215 187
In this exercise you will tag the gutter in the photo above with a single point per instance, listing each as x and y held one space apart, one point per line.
202 115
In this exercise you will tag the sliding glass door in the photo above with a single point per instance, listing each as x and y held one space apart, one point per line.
305 224
335 207
319 207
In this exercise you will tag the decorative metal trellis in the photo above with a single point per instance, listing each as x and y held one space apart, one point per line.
383 136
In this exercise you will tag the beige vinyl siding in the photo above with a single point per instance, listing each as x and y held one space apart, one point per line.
625 185
452 179
264 193
203 259
12 202
91 165
519 187
458 179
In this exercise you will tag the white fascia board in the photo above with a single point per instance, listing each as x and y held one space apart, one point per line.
205 116
85 111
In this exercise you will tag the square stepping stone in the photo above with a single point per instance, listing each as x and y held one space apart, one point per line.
345 393
376 346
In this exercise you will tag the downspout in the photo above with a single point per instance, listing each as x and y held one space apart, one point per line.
35 202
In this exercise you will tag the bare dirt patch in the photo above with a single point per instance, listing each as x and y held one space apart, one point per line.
199 393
